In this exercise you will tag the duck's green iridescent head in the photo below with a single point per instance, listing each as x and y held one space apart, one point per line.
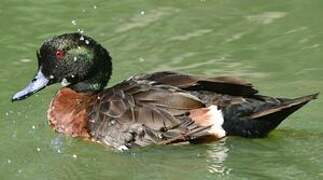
72 59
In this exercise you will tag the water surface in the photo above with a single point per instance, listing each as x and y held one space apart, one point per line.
277 45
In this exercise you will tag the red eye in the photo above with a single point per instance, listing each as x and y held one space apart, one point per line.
59 54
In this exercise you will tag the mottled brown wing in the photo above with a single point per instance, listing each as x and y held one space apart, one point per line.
139 113
222 84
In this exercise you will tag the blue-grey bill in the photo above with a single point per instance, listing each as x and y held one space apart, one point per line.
39 82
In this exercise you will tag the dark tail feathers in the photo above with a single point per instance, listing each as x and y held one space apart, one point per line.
261 123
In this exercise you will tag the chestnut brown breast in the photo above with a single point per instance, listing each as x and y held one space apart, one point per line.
67 112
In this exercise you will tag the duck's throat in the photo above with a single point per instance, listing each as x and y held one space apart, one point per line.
67 112
95 83
87 86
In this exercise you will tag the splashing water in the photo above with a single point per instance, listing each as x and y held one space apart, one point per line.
57 144
80 31
141 59
74 22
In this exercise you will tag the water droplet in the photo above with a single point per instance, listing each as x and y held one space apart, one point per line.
14 135
74 22
142 12
51 77
74 156
25 60
141 59
7 114
82 38
75 59
95 7
80 31
59 151
65 82
87 42
9 161
38 149
78 47
33 127
72 76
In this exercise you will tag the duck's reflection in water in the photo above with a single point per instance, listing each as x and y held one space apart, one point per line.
216 154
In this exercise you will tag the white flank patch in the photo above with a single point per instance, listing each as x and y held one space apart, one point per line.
216 117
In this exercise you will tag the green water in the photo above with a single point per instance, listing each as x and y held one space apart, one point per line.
277 45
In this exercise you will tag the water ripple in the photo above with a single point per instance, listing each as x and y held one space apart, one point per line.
266 17
142 20
190 35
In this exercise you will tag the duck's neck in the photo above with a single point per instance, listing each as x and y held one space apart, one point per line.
94 84
98 79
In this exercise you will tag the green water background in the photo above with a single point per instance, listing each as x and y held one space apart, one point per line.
276 45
